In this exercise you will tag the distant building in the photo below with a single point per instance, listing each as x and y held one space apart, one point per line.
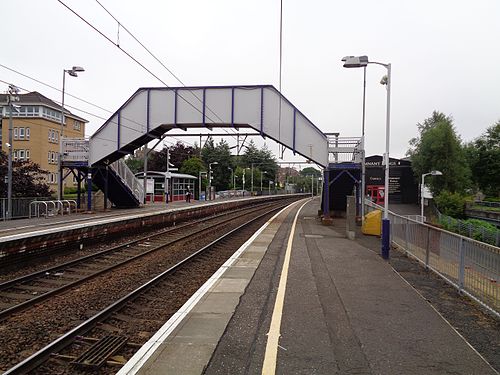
36 132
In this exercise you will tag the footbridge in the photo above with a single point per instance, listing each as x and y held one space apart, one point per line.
153 111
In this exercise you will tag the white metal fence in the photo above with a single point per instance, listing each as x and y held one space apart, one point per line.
20 207
471 266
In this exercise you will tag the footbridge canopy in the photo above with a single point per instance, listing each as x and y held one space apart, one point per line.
151 112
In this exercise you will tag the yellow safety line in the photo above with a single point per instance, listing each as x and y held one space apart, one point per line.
269 366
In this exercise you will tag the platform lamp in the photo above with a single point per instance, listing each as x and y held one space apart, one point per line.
73 72
12 97
431 173
210 178
362 62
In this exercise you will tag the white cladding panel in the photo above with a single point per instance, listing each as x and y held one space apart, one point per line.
161 107
218 102
247 107
133 119
286 133
310 142
189 106
104 142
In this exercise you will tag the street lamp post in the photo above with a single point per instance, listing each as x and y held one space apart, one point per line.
210 178
232 176
11 97
251 189
431 173
362 62
73 73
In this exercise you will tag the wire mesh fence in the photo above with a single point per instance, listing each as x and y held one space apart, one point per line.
471 228
471 266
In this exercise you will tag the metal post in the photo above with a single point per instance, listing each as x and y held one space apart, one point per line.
386 222
363 167
461 267
427 248
106 189
89 191
9 173
167 176
145 174
312 185
326 194
78 190
261 182
251 190
59 165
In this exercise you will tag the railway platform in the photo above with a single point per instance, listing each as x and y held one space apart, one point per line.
300 298
26 226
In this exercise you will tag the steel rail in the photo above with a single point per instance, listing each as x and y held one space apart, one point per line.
6 313
43 354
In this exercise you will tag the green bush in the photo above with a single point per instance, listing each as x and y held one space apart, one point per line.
451 204
492 199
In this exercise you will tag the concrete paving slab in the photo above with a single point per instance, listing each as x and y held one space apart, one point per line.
202 328
181 359
239 272
230 286
218 303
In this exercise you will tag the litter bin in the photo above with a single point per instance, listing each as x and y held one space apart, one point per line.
373 223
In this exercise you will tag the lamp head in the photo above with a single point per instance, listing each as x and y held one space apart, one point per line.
215 163
77 69
7 144
436 173
355 61
72 73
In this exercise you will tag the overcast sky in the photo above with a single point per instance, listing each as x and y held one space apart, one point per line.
445 56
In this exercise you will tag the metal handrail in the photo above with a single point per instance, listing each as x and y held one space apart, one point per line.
56 205
129 179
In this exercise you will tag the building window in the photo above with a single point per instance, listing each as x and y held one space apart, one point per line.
15 133
21 154
57 136
53 135
52 158
77 125
48 157
21 133
51 114
27 133
14 154
27 154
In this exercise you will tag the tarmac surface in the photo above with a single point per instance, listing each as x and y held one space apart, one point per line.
346 311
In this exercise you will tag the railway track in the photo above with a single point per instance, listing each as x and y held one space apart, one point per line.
23 292
109 327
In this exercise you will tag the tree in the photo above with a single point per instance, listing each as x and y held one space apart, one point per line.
220 153
27 179
438 147
484 159
262 159
178 153
308 171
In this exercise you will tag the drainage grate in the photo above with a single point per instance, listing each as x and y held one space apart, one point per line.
98 354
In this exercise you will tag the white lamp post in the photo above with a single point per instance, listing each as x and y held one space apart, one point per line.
11 97
210 178
73 73
362 62
431 173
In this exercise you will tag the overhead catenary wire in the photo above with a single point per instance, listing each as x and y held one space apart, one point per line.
137 61
86 112
120 24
